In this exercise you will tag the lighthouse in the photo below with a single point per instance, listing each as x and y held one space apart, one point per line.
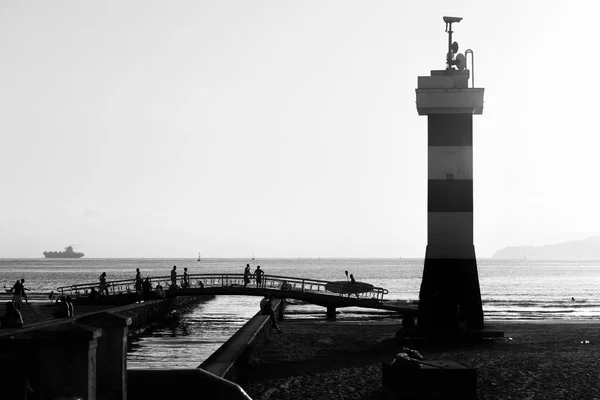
449 293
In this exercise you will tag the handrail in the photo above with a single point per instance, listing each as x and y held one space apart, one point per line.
271 282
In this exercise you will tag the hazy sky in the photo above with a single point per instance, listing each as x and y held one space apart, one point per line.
285 128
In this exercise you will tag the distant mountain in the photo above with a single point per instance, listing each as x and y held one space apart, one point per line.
588 248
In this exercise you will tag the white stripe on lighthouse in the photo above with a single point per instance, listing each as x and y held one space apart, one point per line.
450 228
450 162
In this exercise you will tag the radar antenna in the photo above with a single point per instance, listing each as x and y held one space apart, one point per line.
453 46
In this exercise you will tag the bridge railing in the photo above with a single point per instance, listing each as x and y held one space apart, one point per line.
195 281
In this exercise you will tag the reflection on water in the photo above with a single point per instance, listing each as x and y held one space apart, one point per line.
186 339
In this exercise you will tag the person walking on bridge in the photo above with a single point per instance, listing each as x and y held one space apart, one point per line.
259 273
174 277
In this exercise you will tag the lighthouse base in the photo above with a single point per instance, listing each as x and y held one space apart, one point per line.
449 295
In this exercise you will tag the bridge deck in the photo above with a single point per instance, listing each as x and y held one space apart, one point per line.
308 290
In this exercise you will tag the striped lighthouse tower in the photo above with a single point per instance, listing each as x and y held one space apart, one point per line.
450 286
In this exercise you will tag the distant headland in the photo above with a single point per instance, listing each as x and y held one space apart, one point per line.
578 249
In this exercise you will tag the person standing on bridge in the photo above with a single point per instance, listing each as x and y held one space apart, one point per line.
247 274
103 285
259 273
174 277
138 281
186 279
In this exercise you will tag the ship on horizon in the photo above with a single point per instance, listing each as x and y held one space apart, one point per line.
68 253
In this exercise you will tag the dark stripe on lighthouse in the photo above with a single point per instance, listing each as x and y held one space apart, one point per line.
450 195
450 130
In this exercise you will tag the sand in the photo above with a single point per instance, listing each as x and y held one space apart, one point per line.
342 360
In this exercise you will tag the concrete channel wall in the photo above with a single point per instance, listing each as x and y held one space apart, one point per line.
241 350
85 356
141 314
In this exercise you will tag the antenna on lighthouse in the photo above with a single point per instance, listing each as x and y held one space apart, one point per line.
451 61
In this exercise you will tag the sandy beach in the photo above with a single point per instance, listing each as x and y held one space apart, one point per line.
318 359
342 360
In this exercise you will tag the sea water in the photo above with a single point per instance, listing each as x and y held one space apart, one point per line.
510 289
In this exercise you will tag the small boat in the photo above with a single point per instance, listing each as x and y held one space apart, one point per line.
252 256
199 258
348 287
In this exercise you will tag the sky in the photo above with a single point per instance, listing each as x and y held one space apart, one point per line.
282 128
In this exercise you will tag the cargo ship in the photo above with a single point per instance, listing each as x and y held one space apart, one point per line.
68 253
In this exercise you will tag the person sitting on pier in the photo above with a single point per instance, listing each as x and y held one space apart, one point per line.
247 274
268 310
103 285
12 318
186 279
159 291
173 278
259 273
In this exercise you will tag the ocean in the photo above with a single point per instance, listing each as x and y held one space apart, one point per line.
510 290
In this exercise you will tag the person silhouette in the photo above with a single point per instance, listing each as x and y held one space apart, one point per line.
186 279
259 274
268 310
174 277
103 285
247 274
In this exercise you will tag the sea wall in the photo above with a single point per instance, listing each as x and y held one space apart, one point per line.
142 315
243 348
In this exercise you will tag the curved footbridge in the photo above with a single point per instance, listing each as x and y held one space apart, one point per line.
307 290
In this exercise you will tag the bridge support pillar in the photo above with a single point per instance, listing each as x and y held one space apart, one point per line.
111 361
331 313
68 361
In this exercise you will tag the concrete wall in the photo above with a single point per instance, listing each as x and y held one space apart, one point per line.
242 349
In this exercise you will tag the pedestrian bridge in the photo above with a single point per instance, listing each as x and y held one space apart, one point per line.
308 290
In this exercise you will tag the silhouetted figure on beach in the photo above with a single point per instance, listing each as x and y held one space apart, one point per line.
259 274
51 295
268 310
103 285
12 317
186 279
174 278
19 293
247 274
